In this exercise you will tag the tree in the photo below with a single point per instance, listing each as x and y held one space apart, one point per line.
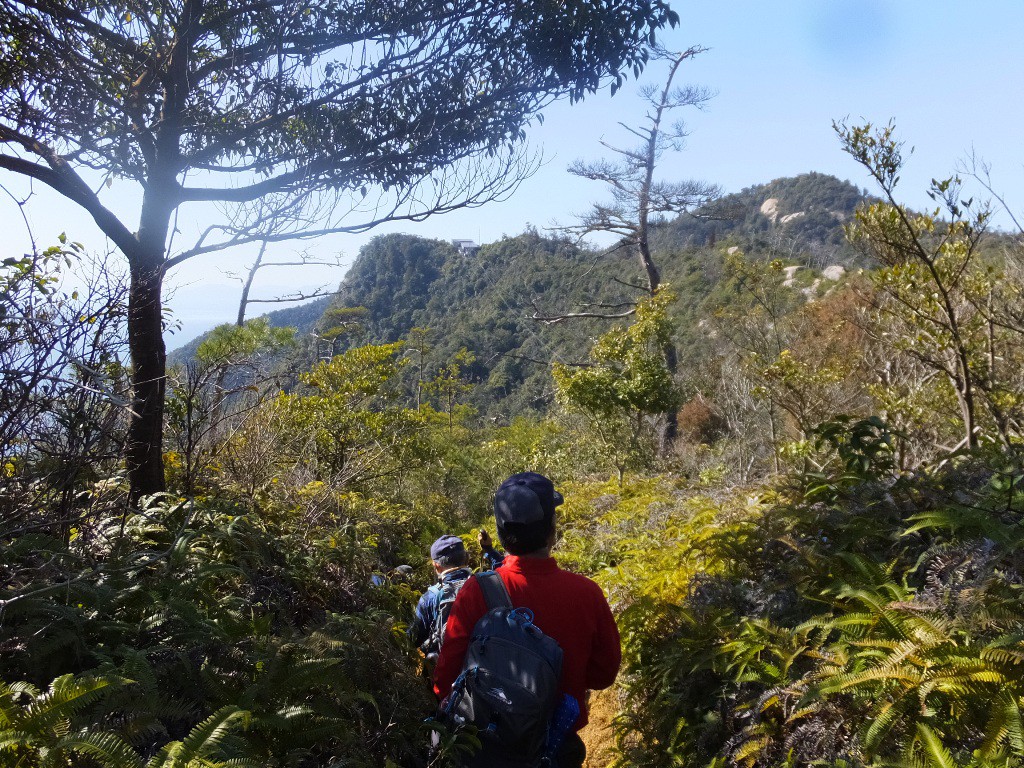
934 285
451 381
62 385
638 199
348 426
627 381
798 352
229 368
296 118
301 260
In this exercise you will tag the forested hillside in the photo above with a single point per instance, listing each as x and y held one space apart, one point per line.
503 303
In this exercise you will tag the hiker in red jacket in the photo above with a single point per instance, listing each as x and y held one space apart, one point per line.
568 607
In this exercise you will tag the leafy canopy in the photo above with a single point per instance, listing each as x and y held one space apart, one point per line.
288 97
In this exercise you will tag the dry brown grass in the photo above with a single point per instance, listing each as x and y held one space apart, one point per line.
598 735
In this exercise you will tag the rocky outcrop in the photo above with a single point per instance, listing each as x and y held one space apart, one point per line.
835 272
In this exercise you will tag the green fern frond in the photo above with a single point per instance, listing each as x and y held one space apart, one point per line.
867 569
21 688
201 742
749 752
1014 725
929 629
11 740
801 713
297 675
997 728
66 697
906 676
883 721
969 521
935 751
326 644
290 714
1009 656
108 749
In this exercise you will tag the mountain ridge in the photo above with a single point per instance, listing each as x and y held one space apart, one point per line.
489 303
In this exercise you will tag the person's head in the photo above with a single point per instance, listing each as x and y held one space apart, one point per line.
448 552
524 513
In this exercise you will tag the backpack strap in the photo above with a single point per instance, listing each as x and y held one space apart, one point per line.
494 591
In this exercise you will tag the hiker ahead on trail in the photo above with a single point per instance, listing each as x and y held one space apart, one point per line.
451 561
565 607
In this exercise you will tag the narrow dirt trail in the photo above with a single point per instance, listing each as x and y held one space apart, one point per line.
598 735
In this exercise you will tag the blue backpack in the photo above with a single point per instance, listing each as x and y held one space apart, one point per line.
508 687
448 590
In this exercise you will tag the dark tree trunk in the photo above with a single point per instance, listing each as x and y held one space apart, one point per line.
146 337
149 360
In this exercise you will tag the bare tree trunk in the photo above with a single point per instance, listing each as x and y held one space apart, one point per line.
148 379
965 394
145 328
243 303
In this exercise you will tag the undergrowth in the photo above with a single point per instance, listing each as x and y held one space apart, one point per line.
846 617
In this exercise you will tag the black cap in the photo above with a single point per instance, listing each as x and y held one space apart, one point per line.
447 547
525 498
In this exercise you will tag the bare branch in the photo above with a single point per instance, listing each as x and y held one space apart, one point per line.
300 296
555 319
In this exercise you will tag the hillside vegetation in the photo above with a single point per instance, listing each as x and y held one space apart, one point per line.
824 569
486 303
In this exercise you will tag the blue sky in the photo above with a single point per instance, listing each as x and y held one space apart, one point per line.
950 75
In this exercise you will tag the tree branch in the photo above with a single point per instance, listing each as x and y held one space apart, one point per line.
62 179
555 319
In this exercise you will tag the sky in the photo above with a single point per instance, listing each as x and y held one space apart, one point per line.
950 74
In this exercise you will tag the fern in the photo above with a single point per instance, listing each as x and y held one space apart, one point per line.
886 717
935 752
107 749
67 696
203 742
42 729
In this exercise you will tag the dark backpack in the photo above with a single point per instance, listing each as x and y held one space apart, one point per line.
508 687
449 591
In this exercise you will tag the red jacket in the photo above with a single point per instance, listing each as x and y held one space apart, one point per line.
566 606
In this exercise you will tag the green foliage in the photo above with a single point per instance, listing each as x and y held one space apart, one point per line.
626 381
43 731
851 619
940 296
347 428
431 123
814 236
215 392
449 384
40 731
205 633
861 608
860 449
62 392
230 344
481 304
485 302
